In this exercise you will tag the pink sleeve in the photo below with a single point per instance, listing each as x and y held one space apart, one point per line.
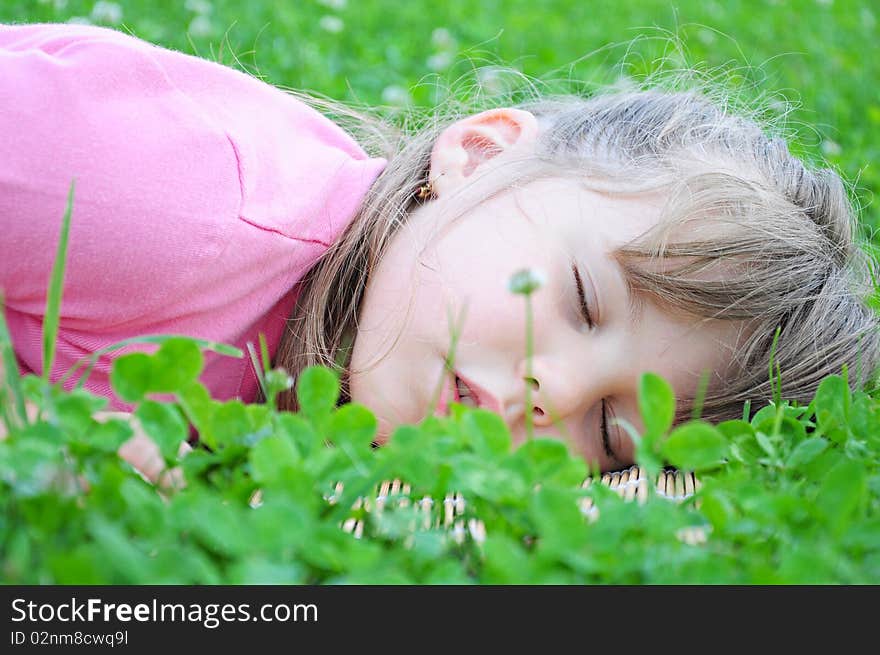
202 194
87 107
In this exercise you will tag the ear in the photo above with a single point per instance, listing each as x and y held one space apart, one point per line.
470 143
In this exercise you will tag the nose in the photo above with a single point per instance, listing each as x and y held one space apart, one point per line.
558 391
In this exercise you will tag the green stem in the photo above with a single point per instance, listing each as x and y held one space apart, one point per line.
529 410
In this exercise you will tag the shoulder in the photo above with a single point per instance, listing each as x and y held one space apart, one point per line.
156 180
181 117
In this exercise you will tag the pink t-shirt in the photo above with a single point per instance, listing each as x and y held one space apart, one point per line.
202 197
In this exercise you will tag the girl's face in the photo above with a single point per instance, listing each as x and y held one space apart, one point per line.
586 360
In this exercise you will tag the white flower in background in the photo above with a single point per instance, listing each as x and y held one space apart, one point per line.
332 24
200 26
707 37
526 281
338 5
198 6
395 95
109 13
445 45
490 80
442 38
440 61
778 106
78 20
830 147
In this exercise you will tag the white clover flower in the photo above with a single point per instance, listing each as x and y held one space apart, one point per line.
490 80
526 281
830 147
707 37
338 5
109 13
442 38
200 26
778 106
198 6
332 24
440 61
396 95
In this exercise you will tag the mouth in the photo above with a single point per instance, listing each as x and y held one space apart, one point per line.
468 393
456 390
465 395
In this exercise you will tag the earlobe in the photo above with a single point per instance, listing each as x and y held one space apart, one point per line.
471 143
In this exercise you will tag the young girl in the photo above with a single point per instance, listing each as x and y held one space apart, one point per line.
671 236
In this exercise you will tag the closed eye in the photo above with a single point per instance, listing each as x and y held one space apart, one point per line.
606 439
585 308
588 318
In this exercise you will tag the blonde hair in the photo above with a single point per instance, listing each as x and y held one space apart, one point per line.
748 233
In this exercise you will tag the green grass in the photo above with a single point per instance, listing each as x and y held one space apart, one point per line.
819 55
790 497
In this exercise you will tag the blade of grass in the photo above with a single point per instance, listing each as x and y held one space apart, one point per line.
700 398
775 381
52 315
17 416
264 352
343 353
8 424
530 430
455 328
258 370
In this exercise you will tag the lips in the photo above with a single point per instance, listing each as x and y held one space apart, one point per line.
482 398
450 393
457 389
464 394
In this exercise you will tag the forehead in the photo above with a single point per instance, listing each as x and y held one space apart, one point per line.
608 218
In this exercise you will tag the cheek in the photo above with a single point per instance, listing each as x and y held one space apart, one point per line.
381 391
471 285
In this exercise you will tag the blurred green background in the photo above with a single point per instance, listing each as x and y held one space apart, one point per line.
821 55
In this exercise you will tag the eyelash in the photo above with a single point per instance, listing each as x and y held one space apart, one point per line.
606 440
585 309
588 317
